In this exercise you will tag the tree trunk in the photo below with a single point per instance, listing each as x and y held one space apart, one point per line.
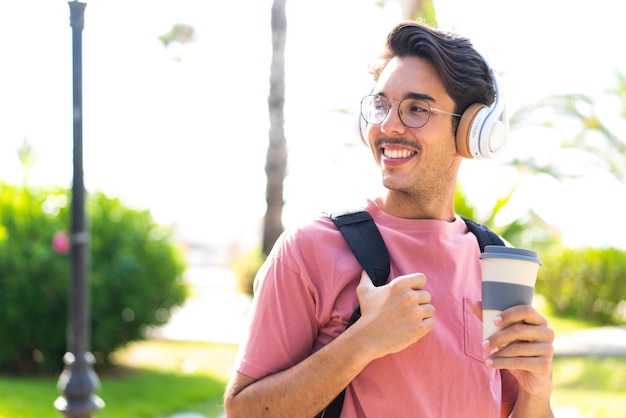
276 160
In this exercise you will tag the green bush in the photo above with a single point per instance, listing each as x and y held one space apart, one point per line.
246 268
585 283
135 276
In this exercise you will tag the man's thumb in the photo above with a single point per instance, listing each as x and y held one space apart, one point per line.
365 280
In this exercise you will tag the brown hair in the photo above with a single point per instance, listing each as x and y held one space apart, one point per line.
463 70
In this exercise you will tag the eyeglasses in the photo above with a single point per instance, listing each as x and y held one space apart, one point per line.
414 113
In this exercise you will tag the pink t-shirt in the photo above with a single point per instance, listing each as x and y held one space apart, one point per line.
306 292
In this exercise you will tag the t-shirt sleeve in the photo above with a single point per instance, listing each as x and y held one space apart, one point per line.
282 324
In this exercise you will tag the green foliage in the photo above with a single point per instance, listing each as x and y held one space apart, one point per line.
596 387
462 206
620 91
246 267
181 33
135 274
585 283
529 231
138 269
32 276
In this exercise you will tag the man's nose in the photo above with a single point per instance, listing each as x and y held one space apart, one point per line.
392 121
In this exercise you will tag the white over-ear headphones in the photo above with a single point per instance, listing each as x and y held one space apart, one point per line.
482 132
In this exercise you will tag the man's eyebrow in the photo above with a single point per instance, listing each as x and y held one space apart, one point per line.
411 95
419 96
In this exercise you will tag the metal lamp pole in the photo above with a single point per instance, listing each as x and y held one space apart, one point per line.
78 381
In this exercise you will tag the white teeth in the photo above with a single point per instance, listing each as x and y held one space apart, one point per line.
395 153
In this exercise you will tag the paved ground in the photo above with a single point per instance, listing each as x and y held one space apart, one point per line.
599 342
216 313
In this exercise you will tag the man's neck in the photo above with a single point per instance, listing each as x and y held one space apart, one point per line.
407 206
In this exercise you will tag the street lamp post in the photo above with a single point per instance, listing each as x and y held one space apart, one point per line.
78 381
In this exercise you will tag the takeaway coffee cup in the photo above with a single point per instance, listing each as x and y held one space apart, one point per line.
508 279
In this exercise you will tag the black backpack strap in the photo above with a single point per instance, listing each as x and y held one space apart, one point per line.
484 235
364 239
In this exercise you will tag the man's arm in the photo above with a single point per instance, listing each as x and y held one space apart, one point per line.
526 350
393 317
304 389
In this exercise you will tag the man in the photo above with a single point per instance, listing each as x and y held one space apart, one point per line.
416 351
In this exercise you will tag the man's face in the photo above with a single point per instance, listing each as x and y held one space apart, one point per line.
414 160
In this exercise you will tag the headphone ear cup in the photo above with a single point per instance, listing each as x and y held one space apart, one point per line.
483 130
466 139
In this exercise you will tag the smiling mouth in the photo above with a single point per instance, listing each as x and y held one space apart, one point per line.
398 153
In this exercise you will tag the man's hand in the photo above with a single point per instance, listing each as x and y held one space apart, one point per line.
524 347
395 315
